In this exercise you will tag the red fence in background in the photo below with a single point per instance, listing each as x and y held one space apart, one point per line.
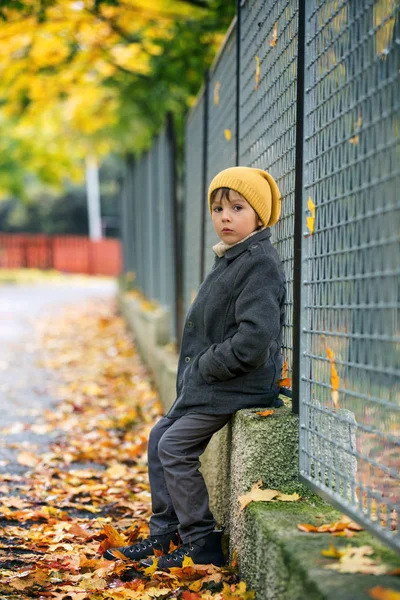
68 253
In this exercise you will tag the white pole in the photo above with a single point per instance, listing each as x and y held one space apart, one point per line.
93 198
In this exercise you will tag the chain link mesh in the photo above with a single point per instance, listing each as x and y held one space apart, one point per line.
268 72
350 393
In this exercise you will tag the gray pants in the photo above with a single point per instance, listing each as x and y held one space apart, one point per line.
179 494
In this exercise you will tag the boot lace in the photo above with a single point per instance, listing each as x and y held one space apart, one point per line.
143 545
180 553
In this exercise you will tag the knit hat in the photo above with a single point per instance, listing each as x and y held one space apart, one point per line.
258 187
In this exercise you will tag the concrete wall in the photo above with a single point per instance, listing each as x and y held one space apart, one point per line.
274 557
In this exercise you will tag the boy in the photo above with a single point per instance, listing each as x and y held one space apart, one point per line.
230 359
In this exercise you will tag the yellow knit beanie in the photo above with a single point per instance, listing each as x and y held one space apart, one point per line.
258 187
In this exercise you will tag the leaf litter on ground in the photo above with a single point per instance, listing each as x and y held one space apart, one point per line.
90 490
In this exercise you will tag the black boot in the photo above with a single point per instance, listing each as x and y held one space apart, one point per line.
205 551
145 547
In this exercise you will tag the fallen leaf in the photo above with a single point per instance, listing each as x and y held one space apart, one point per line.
265 413
256 494
381 593
355 559
287 497
28 459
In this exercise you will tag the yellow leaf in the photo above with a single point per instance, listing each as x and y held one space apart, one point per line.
355 559
332 552
287 497
334 377
381 593
228 134
311 220
257 72
274 35
152 568
187 562
256 494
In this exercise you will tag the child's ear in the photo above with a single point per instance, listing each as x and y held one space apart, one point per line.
259 223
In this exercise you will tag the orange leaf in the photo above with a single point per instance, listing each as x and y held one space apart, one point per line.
186 595
285 382
307 527
285 369
113 539
381 593
234 562
257 72
274 35
265 413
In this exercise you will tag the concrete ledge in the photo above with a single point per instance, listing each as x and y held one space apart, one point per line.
283 563
151 330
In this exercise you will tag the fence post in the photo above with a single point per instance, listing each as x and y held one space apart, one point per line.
298 208
204 186
238 5
178 230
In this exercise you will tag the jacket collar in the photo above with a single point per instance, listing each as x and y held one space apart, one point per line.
241 247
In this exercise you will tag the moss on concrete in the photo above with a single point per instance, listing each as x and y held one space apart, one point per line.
281 562
216 469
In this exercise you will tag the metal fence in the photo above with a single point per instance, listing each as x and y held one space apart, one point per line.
309 91
149 230
350 343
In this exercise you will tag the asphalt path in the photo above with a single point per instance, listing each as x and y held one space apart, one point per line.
25 386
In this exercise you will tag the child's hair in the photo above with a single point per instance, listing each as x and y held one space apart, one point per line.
256 186
225 194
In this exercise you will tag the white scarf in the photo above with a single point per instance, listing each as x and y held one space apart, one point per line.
221 247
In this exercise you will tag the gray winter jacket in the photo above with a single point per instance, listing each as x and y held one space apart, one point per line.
230 355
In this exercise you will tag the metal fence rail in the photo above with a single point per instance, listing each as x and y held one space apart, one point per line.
350 393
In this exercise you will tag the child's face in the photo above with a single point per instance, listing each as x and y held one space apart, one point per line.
233 219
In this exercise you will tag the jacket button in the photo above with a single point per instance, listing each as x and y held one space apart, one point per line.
189 323
187 359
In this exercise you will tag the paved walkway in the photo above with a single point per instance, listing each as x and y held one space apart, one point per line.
24 385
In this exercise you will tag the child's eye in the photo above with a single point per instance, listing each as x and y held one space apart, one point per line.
217 209
237 207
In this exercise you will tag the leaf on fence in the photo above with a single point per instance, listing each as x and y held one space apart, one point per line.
356 559
285 381
228 134
311 220
334 376
257 72
381 593
274 35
